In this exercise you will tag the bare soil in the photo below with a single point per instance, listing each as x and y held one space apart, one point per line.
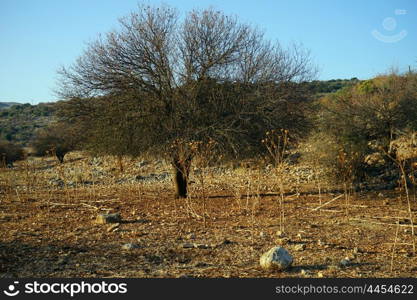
51 231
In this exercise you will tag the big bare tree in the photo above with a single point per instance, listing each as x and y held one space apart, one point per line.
169 80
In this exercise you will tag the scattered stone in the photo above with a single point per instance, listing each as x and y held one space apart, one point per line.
188 245
108 218
405 221
320 243
282 241
356 250
262 235
202 246
193 245
152 177
334 267
351 257
161 272
142 163
113 227
226 242
96 161
191 236
183 260
71 184
130 246
299 236
300 247
140 178
88 182
385 202
201 265
345 262
320 274
63 260
381 195
56 182
277 258
280 234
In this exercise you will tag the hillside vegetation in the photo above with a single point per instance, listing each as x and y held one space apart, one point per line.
19 122
4 105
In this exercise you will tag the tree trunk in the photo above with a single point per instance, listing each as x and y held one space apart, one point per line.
60 157
181 172
120 163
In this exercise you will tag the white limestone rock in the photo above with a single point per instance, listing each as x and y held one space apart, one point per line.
277 258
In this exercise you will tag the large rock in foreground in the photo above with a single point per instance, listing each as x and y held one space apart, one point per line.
277 258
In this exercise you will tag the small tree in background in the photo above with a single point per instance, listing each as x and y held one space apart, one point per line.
57 139
9 153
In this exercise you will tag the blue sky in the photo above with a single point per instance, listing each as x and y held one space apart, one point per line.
38 36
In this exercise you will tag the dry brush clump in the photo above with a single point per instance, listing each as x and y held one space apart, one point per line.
57 140
9 153
352 120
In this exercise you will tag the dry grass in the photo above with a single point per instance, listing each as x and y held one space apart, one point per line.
48 229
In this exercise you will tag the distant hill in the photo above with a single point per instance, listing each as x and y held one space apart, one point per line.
4 105
322 87
19 122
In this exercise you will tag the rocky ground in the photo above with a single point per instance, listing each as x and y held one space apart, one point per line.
51 226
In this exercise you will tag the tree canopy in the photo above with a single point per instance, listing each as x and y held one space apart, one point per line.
160 79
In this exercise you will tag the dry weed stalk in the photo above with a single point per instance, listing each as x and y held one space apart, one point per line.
205 156
395 242
255 180
248 192
347 169
238 196
401 164
277 143
318 182
31 174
